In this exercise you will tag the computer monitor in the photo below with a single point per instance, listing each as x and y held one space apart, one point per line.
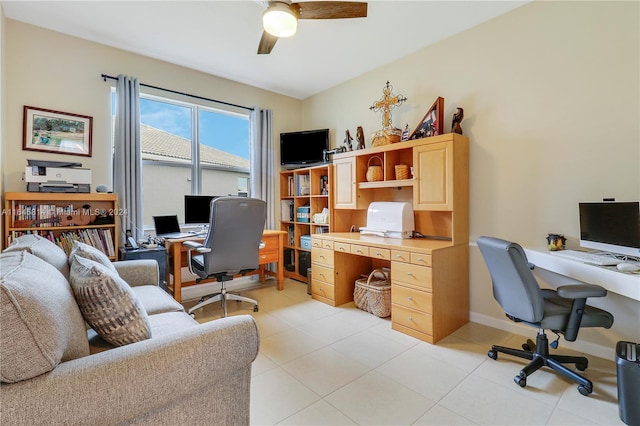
197 208
611 226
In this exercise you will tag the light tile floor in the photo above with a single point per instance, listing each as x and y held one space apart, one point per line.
320 365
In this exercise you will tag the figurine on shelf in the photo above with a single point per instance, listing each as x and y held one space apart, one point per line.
457 118
347 141
405 134
360 137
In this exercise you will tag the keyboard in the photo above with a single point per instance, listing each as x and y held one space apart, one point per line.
586 257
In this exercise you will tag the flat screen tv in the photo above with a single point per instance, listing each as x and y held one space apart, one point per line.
611 226
197 208
298 149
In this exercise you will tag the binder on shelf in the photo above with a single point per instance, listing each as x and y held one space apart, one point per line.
286 210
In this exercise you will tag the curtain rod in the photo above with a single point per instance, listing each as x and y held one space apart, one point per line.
105 77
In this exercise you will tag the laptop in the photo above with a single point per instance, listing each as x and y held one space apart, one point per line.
168 227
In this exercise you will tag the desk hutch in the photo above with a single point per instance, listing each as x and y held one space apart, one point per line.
429 276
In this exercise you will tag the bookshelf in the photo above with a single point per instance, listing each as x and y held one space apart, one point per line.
304 193
62 218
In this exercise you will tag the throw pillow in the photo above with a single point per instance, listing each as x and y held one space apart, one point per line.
42 248
40 323
89 252
107 303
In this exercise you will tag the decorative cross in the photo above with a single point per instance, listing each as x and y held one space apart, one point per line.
386 104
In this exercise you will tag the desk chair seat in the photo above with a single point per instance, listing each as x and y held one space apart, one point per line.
231 246
564 311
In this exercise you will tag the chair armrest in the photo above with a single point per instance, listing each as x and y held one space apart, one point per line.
581 291
138 272
140 379
196 246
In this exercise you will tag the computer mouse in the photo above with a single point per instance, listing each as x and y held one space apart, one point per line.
628 267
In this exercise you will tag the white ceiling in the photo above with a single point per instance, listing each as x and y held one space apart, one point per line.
221 37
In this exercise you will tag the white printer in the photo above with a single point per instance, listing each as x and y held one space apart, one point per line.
57 179
389 219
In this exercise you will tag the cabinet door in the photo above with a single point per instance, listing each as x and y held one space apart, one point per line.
345 183
433 168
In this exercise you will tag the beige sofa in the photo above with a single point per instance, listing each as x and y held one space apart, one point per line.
56 372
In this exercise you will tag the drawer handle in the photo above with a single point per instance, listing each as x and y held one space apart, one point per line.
409 318
328 246
341 248
323 257
322 289
378 254
322 275
409 298
420 259
263 256
410 274
358 251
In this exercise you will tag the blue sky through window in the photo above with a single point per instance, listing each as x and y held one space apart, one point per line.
221 131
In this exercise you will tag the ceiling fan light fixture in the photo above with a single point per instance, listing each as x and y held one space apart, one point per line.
278 20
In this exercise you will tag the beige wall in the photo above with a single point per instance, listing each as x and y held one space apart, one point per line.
2 126
51 70
551 99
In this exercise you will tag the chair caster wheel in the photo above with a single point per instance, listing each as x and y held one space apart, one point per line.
493 355
192 316
585 390
581 366
255 308
521 380
529 346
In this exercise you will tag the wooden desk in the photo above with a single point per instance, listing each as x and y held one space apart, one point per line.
272 252
429 278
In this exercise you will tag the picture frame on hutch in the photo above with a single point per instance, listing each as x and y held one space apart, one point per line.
432 123
57 132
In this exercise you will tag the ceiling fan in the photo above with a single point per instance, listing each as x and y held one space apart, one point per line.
280 19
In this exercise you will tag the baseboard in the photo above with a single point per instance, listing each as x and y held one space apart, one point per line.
238 284
523 330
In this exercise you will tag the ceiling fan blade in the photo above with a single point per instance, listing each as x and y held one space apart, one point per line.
330 9
267 41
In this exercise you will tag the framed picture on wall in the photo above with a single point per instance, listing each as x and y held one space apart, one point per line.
57 132
432 123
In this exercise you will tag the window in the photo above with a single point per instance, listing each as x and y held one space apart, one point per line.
189 148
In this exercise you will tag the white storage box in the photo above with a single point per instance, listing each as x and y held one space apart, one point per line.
389 219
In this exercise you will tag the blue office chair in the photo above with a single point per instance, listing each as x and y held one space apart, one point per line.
563 310
231 246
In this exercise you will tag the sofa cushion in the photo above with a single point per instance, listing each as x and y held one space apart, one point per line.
40 323
155 300
42 248
107 303
89 252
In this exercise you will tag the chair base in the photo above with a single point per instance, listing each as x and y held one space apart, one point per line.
222 297
540 357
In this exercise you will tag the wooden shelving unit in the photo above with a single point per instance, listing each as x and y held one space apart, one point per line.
304 193
62 217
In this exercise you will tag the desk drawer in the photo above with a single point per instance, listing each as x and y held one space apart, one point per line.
359 250
421 259
410 298
316 242
378 253
412 275
322 273
326 244
400 256
270 243
322 256
342 247
322 289
267 256
412 319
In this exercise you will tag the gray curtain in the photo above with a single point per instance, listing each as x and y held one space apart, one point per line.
263 166
128 156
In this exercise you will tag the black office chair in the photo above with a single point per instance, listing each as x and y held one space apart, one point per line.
231 246
563 310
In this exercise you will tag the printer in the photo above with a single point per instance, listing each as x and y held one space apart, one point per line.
57 179
389 219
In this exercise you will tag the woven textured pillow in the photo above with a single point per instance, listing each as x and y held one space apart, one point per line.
40 323
91 253
42 248
107 303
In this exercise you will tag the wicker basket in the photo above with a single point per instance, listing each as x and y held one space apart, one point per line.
374 173
373 294
402 171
